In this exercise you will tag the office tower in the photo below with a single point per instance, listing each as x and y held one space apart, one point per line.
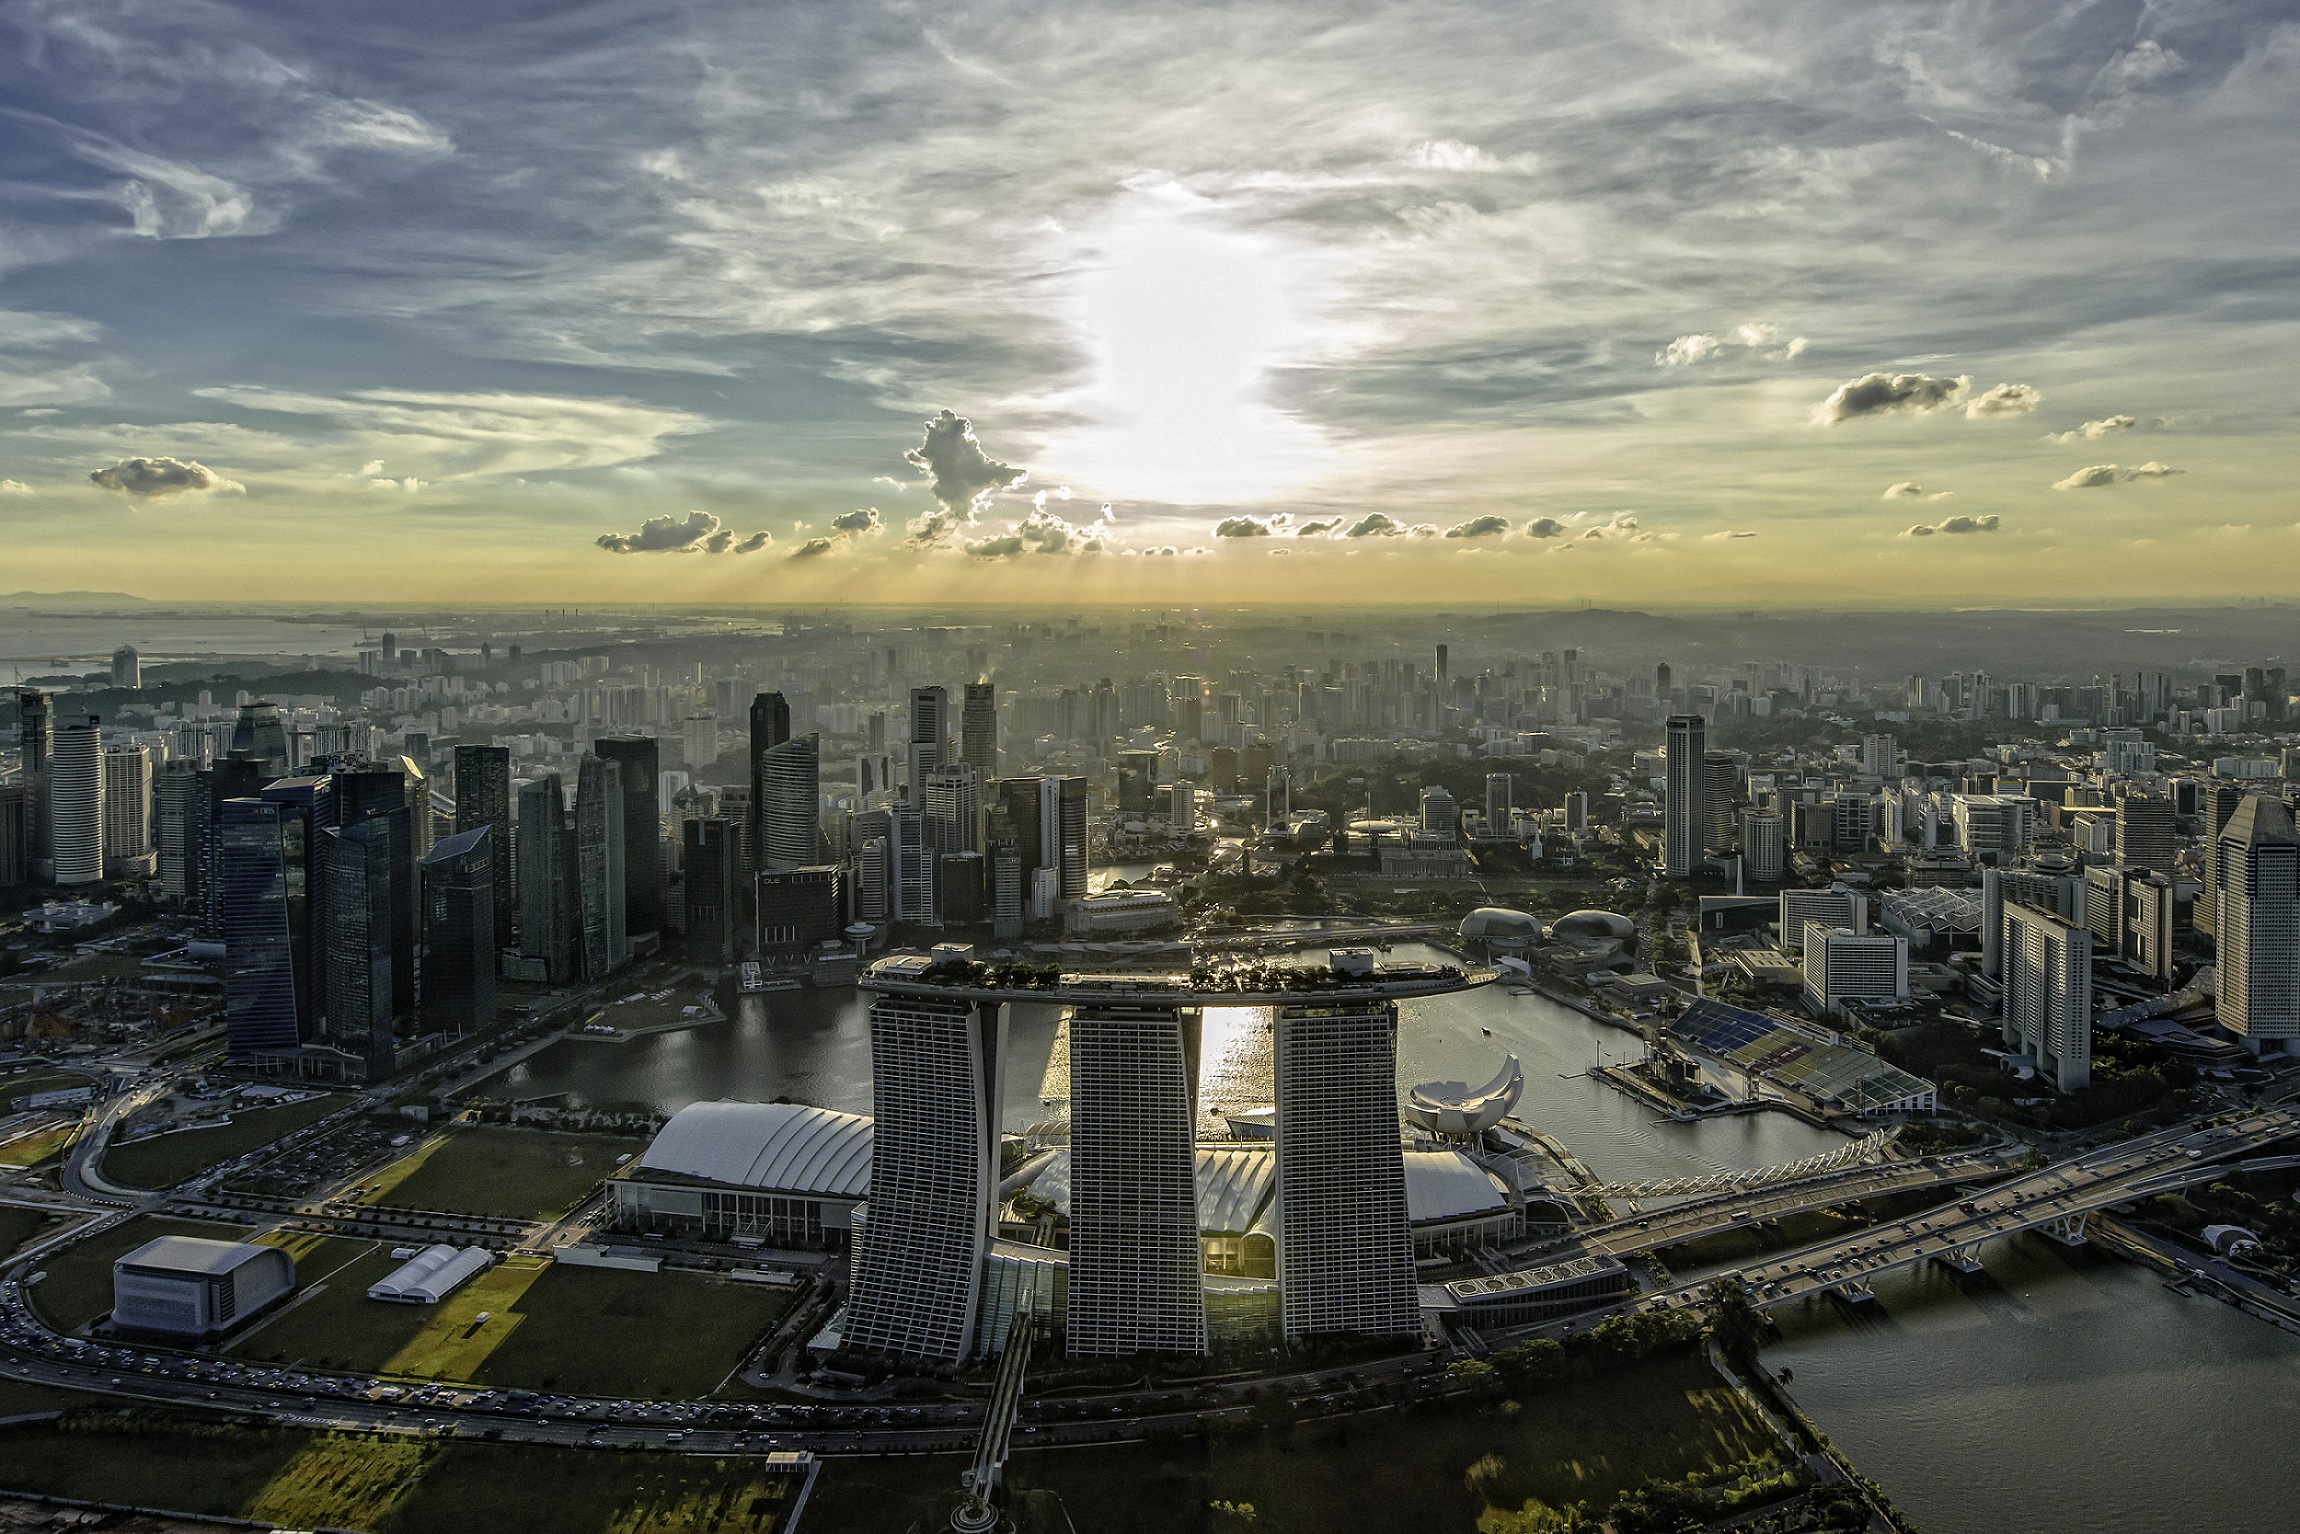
1346 1253
978 730
2144 831
2107 895
769 727
1685 809
1576 809
1062 833
76 803
33 717
712 855
421 822
15 835
1136 1267
936 1091
1497 802
127 668
642 830
1019 799
1661 680
260 1014
952 809
1182 809
1831 908
373 791
1880 757
1441 665
1440 813
174 799
790 776
911 871
874 878
2048 993
929 734
307 809
259 736
360 996
2258 911
1763 850
799 909
1842 965
549 911
604 931
1003 881
1720 782
483 798
699 740
2148 928
1137 779
127 812
214 787
459 944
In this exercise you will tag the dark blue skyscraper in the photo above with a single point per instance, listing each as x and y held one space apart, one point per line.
483 798
359 1000
307 812
259 953
459 933
548 908
642 830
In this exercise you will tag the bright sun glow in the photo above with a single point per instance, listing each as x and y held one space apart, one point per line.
1184 323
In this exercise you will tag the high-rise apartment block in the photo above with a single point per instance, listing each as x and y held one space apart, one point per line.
1685 817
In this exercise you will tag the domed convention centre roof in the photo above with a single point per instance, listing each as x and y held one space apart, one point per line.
1493 921
1594 924
766 1145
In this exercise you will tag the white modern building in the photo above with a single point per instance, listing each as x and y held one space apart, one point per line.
184 1286
128 813
431 1275
2048 993
785 1174
2256 877
1828 908
1842 965
76 802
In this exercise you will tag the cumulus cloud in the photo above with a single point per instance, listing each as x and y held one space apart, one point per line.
2097 475
1252 527
861 522
161 476
2092 430
14 487
1048 532
1986 524
2004 399
1887 393
960 476
1317 529
814 548
1762 339
1545 527
1621 525
1906 490
1730 532
1479 527
1375 524
699 533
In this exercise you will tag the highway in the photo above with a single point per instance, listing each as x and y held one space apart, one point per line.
2055 1198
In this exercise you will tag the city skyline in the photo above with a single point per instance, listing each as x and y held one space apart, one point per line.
1712 307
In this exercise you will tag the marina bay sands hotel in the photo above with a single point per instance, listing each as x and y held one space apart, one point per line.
926 1280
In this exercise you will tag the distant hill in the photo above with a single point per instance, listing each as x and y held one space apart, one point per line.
73 598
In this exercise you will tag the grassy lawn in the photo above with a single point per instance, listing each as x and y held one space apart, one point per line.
78 1288
1383 1475
37 1145
165 1160
393 1486
673 1334
19 1225
511 1173
33 1082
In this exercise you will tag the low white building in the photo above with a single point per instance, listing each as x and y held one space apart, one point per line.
431 1275
1119 913
786 1173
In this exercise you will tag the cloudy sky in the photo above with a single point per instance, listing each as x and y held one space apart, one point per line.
1669 303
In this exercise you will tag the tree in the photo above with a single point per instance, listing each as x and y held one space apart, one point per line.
1734 1321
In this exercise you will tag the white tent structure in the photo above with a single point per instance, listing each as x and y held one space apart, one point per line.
431 1275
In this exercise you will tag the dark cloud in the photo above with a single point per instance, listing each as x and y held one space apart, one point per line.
1545 527
961 477
1251 527
160 476
700 533
861 522
2098 475
815 548
1885 393
1479 527
1375 524
1317 529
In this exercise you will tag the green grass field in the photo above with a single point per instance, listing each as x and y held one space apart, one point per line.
39 1145
19 1225
511 1173
397 1486
165 1160
1381 1475
78 1288
675 1334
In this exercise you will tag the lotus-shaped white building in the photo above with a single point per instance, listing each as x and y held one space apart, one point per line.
1452 1108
